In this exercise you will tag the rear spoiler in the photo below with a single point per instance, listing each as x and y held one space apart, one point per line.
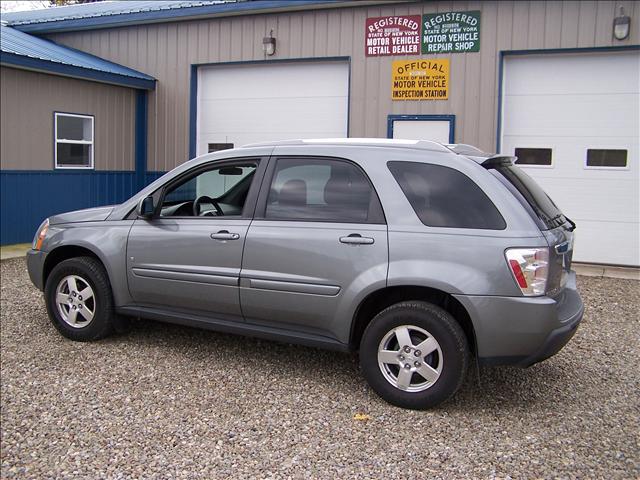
498 161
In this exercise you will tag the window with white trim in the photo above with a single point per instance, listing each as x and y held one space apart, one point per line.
73 140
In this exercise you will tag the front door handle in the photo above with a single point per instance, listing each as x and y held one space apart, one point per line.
357 239
225 235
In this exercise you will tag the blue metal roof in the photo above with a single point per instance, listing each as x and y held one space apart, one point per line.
132 12
22 50
99 9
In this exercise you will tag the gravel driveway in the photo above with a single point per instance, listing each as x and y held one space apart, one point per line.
164 401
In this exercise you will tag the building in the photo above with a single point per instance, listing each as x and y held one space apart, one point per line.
145 85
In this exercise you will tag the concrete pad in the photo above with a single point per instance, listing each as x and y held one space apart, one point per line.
607 271
14 251
588 270
622 272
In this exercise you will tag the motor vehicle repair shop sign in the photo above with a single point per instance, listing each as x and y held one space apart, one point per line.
420 79
395 35
451 32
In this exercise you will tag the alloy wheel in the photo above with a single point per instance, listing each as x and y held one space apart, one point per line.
76 301
410 358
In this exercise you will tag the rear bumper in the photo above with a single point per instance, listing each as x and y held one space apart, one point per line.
554 342
35 266
522 331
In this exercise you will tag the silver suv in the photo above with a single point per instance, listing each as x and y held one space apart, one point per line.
421 256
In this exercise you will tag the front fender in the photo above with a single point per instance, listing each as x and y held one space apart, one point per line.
107 241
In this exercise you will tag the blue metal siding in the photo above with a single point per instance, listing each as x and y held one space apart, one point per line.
141 137
28 196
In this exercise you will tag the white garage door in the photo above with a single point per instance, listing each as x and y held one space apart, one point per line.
277 101
574 118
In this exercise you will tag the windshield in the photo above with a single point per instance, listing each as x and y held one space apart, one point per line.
543 207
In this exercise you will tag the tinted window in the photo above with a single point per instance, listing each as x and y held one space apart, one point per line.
533 156
321 190
606 158
535 196
444 197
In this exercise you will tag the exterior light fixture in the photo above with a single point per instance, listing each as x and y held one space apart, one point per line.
621 25
269 44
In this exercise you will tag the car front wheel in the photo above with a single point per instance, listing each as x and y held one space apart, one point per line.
79 300
414 355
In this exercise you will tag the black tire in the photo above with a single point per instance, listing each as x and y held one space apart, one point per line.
452 345
92 273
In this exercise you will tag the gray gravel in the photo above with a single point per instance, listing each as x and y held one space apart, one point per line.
164 401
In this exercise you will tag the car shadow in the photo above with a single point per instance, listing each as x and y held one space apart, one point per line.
500 388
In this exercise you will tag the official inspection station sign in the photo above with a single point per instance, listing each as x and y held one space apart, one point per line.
420 79
451 32
394 35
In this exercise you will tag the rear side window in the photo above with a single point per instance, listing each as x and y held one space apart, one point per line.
444 197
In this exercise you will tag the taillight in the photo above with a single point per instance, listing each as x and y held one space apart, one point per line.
530 269
39 238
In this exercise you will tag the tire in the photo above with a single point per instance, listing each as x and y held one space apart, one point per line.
79 318
413 378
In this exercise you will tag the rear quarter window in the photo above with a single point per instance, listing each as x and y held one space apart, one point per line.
444 197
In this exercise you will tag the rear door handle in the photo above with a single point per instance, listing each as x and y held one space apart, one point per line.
357 239
225 235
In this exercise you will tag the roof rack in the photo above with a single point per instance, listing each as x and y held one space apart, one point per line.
379 142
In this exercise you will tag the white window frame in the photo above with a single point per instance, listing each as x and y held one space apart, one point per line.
79 142
601 146
536 146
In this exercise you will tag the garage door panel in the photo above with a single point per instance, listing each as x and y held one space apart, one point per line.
612 200
569 156
572 115
243 104
247 137
273 81
264 115
597 73
571 103
607 242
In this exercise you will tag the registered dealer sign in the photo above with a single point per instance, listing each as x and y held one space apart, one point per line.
420 79
451 32
394 35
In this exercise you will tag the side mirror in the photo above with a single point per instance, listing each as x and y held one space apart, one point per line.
145 208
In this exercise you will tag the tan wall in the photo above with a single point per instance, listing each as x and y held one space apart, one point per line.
167 50
29 100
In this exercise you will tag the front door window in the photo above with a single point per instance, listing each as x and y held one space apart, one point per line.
218 192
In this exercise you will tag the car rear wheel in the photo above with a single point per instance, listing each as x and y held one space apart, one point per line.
79 300
414 355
